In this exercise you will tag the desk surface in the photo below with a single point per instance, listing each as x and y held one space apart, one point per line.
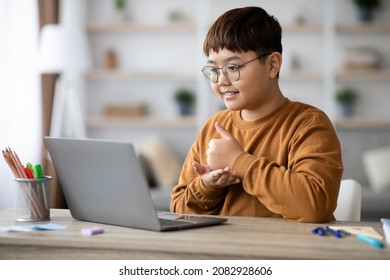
239 238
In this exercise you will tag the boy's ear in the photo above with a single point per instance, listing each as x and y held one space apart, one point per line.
275 63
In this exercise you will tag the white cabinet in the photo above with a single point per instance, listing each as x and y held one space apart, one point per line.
150 67
369 127
155 56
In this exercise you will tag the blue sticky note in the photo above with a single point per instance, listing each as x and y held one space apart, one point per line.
45 227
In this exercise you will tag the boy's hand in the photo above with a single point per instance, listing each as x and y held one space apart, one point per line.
223 152
216 178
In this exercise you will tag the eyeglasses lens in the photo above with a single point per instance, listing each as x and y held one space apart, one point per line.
231 72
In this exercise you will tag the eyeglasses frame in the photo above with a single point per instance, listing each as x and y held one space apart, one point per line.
237 67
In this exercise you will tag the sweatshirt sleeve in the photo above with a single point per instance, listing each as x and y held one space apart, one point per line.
305 189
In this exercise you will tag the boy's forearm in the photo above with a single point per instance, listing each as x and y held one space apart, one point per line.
196 198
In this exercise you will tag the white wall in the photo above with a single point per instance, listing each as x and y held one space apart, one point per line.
20 103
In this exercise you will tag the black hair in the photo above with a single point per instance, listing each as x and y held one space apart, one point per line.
244 29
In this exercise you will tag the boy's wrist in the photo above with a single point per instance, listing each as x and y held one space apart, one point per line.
242 164
210 192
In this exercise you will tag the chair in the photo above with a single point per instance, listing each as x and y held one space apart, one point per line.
349 201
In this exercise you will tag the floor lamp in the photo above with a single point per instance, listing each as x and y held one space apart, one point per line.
64 50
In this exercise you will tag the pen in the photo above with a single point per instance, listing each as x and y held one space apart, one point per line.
319 231
334 232
370 240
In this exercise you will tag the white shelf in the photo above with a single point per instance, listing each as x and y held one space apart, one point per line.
304 27
364 75
363 28
356 123
378 27
301 75
136 27
102 122
124 74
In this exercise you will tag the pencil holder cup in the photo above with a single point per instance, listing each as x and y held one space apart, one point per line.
33 199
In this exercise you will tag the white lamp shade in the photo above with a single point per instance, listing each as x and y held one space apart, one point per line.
63 49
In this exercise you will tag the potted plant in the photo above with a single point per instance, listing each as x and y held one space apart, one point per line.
366 7
120 9
346 98
184 99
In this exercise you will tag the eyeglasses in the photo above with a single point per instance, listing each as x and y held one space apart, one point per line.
231 71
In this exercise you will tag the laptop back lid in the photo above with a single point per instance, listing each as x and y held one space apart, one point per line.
103 182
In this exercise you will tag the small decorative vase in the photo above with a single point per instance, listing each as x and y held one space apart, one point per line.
365 14
346 109
184 108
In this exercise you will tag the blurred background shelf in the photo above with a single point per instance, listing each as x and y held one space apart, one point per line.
138 27
142 121
304 27
301 75
104 74
363 123
364 75
376 27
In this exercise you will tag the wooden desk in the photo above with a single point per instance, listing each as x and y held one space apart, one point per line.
239 238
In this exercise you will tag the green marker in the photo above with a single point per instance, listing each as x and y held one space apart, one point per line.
38 171
31 167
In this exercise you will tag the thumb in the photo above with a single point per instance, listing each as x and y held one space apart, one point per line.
222 131
200 169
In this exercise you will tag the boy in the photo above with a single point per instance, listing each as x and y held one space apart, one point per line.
264 156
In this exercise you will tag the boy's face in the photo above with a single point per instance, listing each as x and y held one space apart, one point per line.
255 86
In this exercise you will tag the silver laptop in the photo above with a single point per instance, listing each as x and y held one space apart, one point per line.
103 182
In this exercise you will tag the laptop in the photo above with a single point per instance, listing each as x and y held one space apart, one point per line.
103 182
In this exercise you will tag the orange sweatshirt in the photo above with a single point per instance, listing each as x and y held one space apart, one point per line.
291 167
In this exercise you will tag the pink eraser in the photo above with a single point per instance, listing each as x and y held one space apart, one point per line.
91 231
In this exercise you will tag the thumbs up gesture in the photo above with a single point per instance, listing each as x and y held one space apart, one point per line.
223 152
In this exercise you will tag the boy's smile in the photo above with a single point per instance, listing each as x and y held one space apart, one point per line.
229 94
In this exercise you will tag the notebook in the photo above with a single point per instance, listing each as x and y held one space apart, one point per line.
103 182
